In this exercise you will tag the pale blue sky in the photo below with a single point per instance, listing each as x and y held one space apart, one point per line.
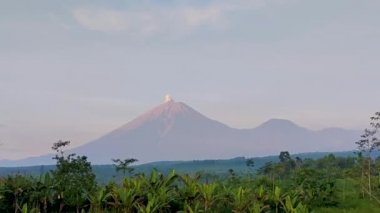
77 69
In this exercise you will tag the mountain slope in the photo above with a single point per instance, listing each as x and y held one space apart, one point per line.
170 131
279 134
175 131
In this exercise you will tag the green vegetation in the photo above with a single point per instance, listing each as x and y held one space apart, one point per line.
107 173
328 184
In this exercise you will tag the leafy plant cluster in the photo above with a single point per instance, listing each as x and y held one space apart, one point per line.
292 185
148 193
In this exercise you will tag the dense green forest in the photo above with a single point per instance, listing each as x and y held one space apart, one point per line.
289 184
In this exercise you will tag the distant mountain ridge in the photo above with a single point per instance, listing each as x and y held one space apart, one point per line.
175 131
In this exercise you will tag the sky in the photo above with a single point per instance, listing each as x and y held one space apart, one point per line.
77 69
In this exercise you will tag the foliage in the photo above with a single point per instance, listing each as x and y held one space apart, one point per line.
123 165
370 142
328 184
73 177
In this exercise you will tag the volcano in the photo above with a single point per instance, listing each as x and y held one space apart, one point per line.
175 131
171 131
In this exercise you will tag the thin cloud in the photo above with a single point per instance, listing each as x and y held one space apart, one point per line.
198 17
144 22
103 20
156 21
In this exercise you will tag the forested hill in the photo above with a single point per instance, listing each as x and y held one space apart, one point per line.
104 173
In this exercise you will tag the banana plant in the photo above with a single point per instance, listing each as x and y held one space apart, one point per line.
189 192
158 180
43 192
241 199
122 198
277 197
24 208
191 209
16 192
98 200
127 199
209 196
259 200
157 202
294 206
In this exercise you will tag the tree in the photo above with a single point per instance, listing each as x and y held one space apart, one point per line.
269 171
284 156
73 176
250 162
286 163
369 143
298 162
123 165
